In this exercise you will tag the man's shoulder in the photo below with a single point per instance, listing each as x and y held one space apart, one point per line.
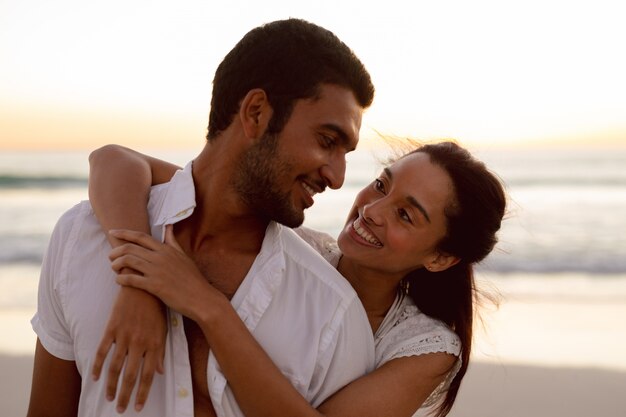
299 251
74 217
311 266
77 235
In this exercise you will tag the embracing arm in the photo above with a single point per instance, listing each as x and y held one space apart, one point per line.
119 187
49 397
397 388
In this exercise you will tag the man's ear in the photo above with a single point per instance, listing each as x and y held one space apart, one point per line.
255 113
441 261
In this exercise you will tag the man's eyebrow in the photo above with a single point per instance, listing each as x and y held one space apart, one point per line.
412 201
341 135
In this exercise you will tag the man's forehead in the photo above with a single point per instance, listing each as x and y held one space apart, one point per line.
337 106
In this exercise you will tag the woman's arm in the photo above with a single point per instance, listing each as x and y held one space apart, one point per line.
119 186
398 388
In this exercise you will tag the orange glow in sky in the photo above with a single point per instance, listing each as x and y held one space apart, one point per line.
78 74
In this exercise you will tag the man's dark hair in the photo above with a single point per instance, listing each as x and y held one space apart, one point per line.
289 60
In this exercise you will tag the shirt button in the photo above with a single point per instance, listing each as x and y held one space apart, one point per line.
174 321
182 393
182 213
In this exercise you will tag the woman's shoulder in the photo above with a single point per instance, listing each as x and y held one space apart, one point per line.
409 332
406 331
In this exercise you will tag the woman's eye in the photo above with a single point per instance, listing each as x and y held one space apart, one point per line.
404 215
378 185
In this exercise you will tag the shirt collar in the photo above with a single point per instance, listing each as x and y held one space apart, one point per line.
180 198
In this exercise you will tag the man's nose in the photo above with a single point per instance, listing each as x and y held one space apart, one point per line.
334 173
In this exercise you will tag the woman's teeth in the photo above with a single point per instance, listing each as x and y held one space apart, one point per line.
356 225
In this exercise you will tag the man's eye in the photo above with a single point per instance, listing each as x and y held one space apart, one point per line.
327 141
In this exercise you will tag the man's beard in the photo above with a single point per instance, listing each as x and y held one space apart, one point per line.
259 172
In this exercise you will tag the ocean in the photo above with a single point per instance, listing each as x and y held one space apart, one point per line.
564 236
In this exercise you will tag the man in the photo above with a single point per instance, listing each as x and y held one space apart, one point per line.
286 108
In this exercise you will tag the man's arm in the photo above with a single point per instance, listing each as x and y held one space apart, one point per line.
56 385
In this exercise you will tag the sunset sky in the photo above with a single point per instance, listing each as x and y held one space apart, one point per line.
78 74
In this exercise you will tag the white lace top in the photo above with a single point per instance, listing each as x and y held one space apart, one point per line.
405 330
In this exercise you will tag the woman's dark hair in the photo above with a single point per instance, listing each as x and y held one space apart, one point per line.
473 219
290 60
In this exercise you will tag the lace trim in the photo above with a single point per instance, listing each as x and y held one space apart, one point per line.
430 344
415 334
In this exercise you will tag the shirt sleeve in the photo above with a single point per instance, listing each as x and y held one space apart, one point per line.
417 334
349 356
49 321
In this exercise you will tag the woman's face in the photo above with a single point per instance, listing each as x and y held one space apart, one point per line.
398 220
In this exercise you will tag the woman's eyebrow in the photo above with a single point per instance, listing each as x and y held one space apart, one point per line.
412 201
417 205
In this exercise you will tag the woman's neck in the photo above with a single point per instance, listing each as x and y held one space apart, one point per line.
376 290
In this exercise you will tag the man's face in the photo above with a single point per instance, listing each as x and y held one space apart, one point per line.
280 174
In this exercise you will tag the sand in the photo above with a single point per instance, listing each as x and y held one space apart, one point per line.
557 351
489 390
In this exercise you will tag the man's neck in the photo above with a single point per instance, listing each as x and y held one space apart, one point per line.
223 235
220 212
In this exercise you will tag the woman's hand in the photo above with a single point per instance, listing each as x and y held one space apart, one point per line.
164 270
138 328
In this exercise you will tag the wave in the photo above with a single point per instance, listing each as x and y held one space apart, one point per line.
45 181
23 248
65 182
561 263
541 181
30 252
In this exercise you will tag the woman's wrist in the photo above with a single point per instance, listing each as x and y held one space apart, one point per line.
214 311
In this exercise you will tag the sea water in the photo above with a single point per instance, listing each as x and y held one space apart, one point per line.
564 237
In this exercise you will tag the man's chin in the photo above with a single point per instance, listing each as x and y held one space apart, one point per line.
292 219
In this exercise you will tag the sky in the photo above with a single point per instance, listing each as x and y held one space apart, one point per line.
80 74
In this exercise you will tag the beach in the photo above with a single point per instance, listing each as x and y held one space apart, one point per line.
536 354
489 390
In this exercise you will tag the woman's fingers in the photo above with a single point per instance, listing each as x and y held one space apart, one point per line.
136 281
115 367
131 369
132 249
170 239
130 261
150 365
139 238
103 349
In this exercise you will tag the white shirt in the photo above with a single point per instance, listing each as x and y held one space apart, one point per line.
303 313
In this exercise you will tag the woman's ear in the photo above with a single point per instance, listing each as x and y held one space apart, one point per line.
255 113
441 261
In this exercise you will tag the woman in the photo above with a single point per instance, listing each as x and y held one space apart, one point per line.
408 249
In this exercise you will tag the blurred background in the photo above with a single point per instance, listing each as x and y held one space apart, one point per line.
535 89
